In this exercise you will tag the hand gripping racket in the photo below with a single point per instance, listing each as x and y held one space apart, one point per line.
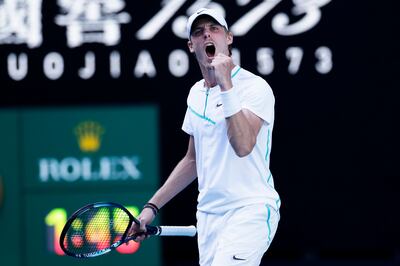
98 228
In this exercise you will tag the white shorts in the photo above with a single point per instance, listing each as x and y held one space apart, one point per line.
238 237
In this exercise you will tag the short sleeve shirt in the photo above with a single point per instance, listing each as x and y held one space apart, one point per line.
226 180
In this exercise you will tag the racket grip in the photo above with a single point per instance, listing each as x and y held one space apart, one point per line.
177 230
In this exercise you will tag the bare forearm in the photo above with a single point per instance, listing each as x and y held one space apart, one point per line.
240 133
183 174
243 126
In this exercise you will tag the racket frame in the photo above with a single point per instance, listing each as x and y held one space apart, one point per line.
124 238
150 230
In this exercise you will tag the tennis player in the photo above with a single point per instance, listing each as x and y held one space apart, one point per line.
229 120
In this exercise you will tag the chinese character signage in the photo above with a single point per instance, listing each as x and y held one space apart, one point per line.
21 22
141 40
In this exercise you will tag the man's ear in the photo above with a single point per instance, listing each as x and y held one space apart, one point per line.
229 37
190 45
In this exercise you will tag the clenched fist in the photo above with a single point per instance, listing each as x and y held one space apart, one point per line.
222 66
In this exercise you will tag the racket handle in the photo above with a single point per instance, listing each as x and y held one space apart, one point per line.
177 230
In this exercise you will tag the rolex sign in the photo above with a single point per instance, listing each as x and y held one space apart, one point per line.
93 147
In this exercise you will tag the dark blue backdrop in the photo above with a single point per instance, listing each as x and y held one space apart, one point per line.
335 144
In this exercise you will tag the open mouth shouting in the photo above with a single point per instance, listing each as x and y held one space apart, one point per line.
210 50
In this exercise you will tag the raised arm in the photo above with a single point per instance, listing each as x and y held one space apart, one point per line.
243 125
243 128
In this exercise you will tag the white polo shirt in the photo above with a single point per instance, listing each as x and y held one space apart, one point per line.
225 180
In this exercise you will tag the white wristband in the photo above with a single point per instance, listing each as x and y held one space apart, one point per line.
230 102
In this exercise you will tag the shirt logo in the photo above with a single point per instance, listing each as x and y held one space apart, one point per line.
219 104
237 258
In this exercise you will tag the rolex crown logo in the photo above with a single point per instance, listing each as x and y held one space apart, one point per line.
89 136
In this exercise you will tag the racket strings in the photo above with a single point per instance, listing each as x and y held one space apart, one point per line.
95 230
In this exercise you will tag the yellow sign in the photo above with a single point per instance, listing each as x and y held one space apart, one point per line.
89 134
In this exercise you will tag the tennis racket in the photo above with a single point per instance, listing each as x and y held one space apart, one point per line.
98 228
